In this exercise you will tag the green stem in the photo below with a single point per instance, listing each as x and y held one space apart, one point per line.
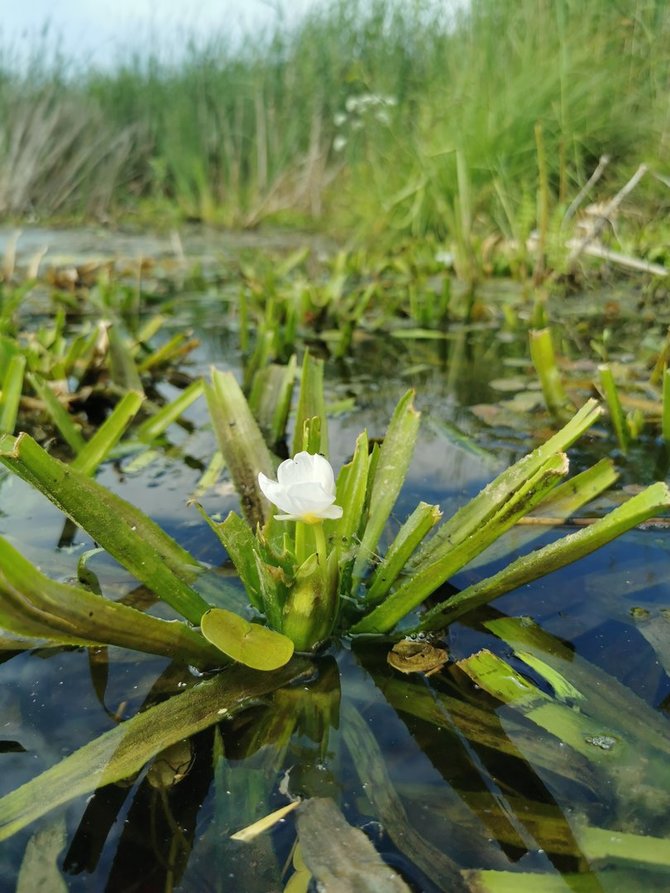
300 547
321 548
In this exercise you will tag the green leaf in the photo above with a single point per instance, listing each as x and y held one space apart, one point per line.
501 516
122 365
60 416
389 476
469 519
210 475
161 420
544 360
423 518
241 443
175 347
12 388
270 398
351 491
568 498
570 548
611 394
243 550
98 448
136 542
311 403
32 604
125 749
253 645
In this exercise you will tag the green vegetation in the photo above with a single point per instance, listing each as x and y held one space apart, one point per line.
436 152
389 116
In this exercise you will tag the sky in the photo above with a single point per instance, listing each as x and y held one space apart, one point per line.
99 30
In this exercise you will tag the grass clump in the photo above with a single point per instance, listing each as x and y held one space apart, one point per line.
383 114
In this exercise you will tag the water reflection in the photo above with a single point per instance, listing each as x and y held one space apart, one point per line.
445 778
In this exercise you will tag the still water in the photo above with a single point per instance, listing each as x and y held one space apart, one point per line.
455 790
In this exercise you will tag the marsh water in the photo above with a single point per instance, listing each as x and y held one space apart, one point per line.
444 779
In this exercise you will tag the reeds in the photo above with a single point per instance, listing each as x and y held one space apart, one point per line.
376 112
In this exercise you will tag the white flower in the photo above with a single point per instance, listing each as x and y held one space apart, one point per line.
339 143
304 489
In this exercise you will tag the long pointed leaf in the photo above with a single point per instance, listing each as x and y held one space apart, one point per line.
98 448
311 403
136 542
123 750
502 516
638 509
241 443
394 458
61 417
33 604
470 518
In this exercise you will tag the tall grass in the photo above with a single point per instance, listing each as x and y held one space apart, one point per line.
280 125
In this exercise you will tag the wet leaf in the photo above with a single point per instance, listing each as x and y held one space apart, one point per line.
342 858
138 543
124 750
253 645
39 869
241 443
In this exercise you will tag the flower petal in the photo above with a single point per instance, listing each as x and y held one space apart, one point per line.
273 491
304 489
323 472
332 511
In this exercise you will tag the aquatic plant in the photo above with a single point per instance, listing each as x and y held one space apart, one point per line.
319 571
314 570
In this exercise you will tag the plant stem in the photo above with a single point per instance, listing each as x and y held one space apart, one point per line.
321 549
300 549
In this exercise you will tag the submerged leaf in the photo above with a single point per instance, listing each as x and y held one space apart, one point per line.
341 857
125 749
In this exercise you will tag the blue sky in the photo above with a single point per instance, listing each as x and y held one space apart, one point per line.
99 30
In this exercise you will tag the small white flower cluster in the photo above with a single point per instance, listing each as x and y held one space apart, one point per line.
360 109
